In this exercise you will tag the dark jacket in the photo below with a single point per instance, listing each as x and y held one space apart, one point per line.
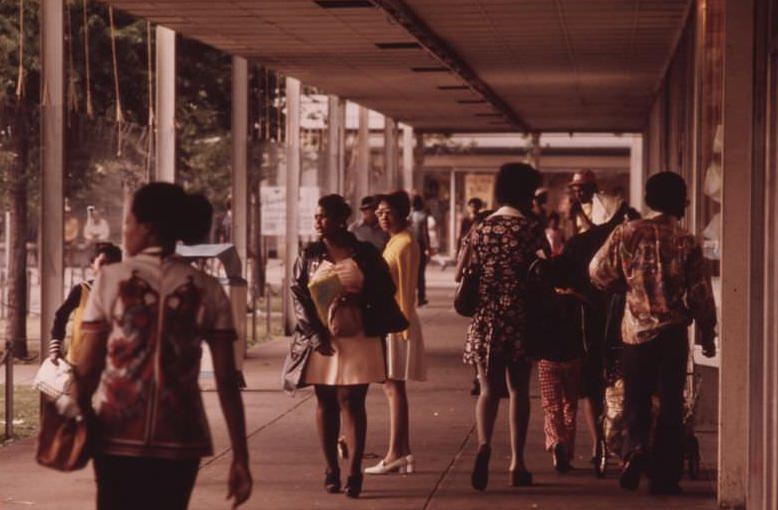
380 313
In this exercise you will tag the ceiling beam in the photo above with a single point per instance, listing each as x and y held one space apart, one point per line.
399 11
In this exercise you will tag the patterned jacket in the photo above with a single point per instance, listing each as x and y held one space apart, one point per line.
662 267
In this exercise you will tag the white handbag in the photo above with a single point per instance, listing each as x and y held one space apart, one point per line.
56 381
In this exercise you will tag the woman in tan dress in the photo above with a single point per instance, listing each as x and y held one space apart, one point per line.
340 366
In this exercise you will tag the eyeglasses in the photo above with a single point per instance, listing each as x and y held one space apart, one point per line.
383 211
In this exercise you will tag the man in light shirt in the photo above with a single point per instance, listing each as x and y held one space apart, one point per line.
588 207
96 228
367 229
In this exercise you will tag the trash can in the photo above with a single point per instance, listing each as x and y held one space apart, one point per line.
237 290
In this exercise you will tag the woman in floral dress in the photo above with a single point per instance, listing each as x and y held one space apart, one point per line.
503 247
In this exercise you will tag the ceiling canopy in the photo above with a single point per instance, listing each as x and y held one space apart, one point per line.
454 65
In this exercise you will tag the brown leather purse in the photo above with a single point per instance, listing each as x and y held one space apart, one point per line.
63 443
344 319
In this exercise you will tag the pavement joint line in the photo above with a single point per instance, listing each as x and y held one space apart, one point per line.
448 468
257 431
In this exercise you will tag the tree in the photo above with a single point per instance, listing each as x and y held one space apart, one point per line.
20 75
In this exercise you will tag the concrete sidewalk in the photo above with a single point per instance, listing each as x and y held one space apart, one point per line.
288 467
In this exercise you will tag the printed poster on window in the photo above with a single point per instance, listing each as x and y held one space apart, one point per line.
273 199
480 186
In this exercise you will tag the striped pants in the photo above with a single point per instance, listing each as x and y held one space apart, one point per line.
559 382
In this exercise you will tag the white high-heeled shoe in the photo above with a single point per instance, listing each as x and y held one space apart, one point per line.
403 465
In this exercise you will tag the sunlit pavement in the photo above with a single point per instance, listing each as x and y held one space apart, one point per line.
288 467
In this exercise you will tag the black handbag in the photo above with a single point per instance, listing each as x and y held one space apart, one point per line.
466 295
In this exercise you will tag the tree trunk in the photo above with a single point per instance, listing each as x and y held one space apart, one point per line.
16 321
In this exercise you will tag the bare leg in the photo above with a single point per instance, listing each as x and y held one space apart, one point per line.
592 412
352 404
399 434
485 409
518 375
328 424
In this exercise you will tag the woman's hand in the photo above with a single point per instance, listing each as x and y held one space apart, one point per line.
239 483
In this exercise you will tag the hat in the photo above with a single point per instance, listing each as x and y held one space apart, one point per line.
583 177
368 203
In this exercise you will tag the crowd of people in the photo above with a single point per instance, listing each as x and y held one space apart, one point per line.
540 300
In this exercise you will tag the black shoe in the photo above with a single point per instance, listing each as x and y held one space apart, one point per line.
633 469
332 482
354 486
521 479
665 489
561 458
480 476
600 459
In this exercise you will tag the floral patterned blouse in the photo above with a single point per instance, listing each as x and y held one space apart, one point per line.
504 246
157 311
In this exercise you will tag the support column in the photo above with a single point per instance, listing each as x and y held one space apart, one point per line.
452 215
166 105
51 259
736 269
240 188
334 133
407 176
363 154
637 177
390 154
292 193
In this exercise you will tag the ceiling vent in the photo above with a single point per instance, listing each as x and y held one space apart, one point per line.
453 87
398 46
429 69
471 101
343 4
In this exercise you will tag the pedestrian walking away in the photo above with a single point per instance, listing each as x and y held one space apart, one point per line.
503 247
667 287
139 362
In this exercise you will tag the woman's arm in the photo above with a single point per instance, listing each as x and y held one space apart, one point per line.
61 317
308 320
232 407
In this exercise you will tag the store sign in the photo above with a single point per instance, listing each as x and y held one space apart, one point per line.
273 199
480 186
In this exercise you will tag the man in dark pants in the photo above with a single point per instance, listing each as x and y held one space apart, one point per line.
667 287
421 233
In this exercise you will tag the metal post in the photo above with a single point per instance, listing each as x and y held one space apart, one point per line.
268 311
636 173
240 188
736 242
452 216
390 153
334 134
407 183
51 259
166 105
8 358
363 154
292 193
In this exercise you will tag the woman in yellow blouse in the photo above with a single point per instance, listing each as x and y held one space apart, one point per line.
404 350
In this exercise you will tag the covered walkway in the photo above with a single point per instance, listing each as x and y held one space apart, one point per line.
287 465
696 79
